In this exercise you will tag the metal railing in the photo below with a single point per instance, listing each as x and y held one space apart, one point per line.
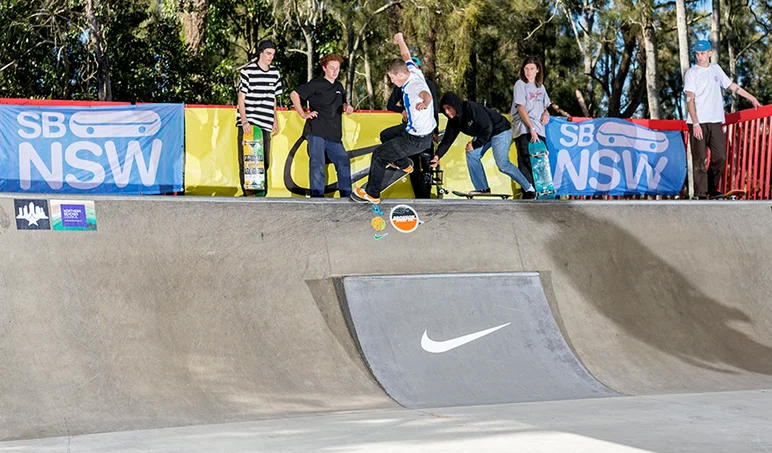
749 152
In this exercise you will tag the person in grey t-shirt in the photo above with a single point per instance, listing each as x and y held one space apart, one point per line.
529 111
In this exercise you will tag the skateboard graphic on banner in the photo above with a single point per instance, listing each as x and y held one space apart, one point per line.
540 167
254 160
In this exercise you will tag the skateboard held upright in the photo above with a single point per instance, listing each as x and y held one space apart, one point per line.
254 162
542 174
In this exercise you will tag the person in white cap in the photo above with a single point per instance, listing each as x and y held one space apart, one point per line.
705 104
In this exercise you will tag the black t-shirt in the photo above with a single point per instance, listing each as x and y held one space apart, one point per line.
327 100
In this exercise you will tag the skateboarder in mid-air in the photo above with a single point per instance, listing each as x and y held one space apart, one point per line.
421 178
409 139
490 131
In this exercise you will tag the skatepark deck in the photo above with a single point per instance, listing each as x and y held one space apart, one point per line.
168 316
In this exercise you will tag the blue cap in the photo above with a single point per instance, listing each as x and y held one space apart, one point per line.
416 61
701 46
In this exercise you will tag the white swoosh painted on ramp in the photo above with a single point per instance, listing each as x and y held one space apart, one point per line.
438 347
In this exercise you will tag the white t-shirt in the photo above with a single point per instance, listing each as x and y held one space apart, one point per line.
419 122
706 84
535 100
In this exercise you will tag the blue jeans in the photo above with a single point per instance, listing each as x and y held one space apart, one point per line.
500 144
318 150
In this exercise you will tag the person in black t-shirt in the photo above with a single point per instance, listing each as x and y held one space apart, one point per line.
327 99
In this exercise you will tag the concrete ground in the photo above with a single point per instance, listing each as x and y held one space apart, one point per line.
194 319
735 422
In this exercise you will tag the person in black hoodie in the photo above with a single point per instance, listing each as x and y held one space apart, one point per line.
489 129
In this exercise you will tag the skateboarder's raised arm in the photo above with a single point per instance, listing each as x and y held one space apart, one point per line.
404 52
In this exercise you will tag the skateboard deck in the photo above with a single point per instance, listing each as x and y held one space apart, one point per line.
540 167
391 177
470 196
254 161
735 194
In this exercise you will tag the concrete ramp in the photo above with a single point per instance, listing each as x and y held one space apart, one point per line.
464 339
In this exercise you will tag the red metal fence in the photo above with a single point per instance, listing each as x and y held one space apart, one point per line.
749 152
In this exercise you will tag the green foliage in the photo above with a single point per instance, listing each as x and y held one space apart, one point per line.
475 47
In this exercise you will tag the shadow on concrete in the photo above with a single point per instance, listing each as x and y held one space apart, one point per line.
652 301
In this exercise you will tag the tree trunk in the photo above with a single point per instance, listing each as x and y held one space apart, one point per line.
386 93
471 77
582 103
683 56
588 19
584 44
731 51
351 48
652 71
429 66
193 18
683 36
309 52
715 36
104 87
352 63
618 83
368 75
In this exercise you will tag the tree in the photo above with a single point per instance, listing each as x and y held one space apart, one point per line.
192 15
715 35
104 88
306 14
646 20
683 37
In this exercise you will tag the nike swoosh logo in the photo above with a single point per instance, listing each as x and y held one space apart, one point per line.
438 347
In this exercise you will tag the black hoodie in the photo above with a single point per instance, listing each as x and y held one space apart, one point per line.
472 119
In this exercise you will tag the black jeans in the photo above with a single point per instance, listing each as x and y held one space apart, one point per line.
421 178
523 159
266 154
396 148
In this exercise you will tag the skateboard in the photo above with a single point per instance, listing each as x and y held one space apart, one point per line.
470 196
736 194
254 161
391 177
540 167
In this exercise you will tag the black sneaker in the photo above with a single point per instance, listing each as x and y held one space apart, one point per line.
529 195
480 192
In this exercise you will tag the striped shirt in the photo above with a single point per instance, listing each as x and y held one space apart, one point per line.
260 88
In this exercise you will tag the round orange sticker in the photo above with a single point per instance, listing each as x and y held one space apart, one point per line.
404 218
378 224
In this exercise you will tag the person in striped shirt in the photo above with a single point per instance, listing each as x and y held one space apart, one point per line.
259 85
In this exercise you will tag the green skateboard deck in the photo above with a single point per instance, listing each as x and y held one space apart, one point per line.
254 161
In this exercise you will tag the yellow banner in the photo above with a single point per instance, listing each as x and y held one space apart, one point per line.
211 166
211 159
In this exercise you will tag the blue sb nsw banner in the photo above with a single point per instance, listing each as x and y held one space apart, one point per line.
614 157
128 150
